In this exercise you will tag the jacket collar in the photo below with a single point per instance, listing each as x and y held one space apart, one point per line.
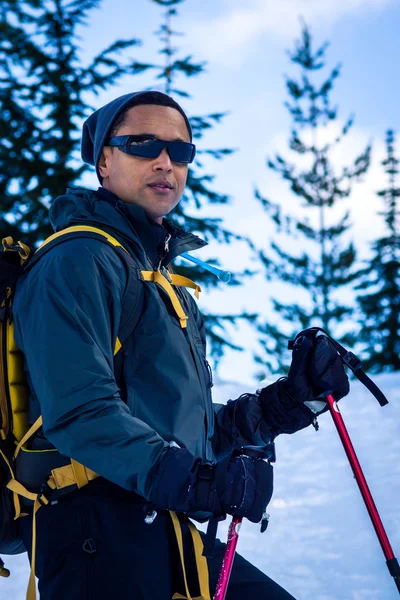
153 236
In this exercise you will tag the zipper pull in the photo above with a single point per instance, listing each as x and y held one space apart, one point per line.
166 250
150 517
166 245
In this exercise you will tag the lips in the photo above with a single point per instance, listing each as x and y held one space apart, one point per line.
161 185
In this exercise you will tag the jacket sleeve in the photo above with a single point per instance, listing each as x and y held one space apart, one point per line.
67 312
238 423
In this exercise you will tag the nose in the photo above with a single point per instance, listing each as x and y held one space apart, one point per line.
162 162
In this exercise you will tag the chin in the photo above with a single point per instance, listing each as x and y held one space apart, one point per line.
154 216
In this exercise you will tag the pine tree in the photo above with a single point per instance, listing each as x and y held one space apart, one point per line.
380 280
44 90
44 95
319 265
199 192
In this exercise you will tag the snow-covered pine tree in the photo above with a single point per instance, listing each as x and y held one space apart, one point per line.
44 91
199 192
313 260
379 302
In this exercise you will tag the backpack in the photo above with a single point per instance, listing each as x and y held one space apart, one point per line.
59 475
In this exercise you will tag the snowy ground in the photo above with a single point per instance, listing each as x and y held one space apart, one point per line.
320 544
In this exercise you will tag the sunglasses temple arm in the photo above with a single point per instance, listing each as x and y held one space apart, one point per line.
222 275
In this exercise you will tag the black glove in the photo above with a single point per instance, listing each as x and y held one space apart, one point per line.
293 402
237 485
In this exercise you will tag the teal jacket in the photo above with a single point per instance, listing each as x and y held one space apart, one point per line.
67 312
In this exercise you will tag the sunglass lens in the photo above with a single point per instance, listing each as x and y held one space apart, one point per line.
181 152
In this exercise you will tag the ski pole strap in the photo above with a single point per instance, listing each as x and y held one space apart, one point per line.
350 360
201 562
211 534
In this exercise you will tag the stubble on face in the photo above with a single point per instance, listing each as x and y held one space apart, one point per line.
132 178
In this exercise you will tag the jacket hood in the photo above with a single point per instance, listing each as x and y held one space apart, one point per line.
129 223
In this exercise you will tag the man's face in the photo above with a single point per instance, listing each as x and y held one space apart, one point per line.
133 179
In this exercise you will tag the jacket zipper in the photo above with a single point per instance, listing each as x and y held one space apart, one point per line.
200 368
166 250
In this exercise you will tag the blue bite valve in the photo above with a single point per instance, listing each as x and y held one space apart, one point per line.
222 275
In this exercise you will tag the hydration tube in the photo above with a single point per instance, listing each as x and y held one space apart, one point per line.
222 275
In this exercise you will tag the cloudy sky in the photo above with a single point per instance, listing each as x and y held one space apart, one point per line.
245 46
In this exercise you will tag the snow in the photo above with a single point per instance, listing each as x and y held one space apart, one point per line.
320 543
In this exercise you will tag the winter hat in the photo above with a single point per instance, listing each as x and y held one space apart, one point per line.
98 126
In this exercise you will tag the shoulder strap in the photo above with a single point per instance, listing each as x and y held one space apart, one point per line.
82 229
131 301
76 231
130 315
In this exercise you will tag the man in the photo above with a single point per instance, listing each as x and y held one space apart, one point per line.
142 420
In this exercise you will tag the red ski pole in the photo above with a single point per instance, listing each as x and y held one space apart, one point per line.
267 451
225 573
391 560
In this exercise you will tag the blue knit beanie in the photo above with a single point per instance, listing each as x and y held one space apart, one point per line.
98 126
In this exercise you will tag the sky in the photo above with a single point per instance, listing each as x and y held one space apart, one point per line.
245 46
320 543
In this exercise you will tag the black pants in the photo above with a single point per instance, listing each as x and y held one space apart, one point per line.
95 545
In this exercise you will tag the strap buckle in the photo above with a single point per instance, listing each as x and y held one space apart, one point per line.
206 471
352 361
41 497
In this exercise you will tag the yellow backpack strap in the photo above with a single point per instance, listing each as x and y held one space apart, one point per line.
86 229
62 477
185 282
72 474
17 506
23 250
80 229
38 501
166 283
201 561
75 473
80 474
117 347
155 276
31 431
159 278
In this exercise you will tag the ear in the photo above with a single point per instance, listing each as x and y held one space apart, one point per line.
104 162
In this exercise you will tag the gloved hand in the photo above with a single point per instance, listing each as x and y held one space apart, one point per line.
291 403
237 485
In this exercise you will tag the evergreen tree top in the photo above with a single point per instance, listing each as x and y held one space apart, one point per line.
379 280
44 93
312 256
392 192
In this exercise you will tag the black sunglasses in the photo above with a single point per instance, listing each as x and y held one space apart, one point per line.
150 147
